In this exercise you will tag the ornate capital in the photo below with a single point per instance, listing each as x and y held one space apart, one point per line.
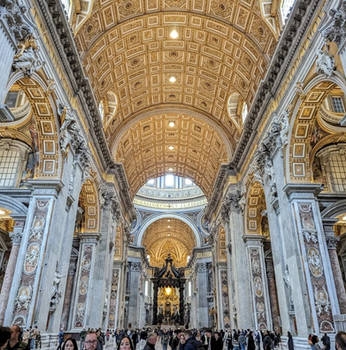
109 200
16 237
201 267
335 28
332 242
134 266
234 201
13 15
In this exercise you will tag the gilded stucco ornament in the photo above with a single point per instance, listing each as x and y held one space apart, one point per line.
27 59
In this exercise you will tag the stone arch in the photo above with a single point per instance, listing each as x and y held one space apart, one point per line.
18 209
169 236
334 210
89 202
152 218
308 128
256 218
40 130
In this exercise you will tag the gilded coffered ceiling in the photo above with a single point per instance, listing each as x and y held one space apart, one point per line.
191 148
169 236
219 48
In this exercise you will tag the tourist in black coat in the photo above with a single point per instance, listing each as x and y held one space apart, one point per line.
250 342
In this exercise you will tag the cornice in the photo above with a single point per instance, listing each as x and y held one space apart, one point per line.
62 36
289 42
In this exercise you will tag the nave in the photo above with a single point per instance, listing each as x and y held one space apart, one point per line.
172 163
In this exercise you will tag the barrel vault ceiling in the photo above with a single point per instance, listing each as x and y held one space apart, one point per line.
169 236
222 47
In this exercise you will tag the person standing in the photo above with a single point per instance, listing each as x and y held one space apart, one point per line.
314 343
242 340
340 341
5 335
267 341
174 341
216 342
250 341
326 341
60 337
164 340
151 341
290 344
125 344
90 342
14 343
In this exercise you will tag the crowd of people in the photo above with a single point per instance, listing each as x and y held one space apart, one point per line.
17 339
148 339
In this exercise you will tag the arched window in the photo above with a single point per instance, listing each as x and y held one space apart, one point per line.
17 105
13 157
101 110
286 9
67 7
244 112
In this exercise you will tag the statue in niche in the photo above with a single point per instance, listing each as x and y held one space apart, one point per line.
56 292
286 278
33 155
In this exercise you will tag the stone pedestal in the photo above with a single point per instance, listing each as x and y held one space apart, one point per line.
16 238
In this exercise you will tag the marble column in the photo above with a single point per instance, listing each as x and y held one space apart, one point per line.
322 302
68 292
270 168
155 303
258 278
181 303
230 282
202 300
328 225
101 279
273 293
135 269
242 292
86 264
16 237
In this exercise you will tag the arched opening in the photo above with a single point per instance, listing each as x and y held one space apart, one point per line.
317 124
